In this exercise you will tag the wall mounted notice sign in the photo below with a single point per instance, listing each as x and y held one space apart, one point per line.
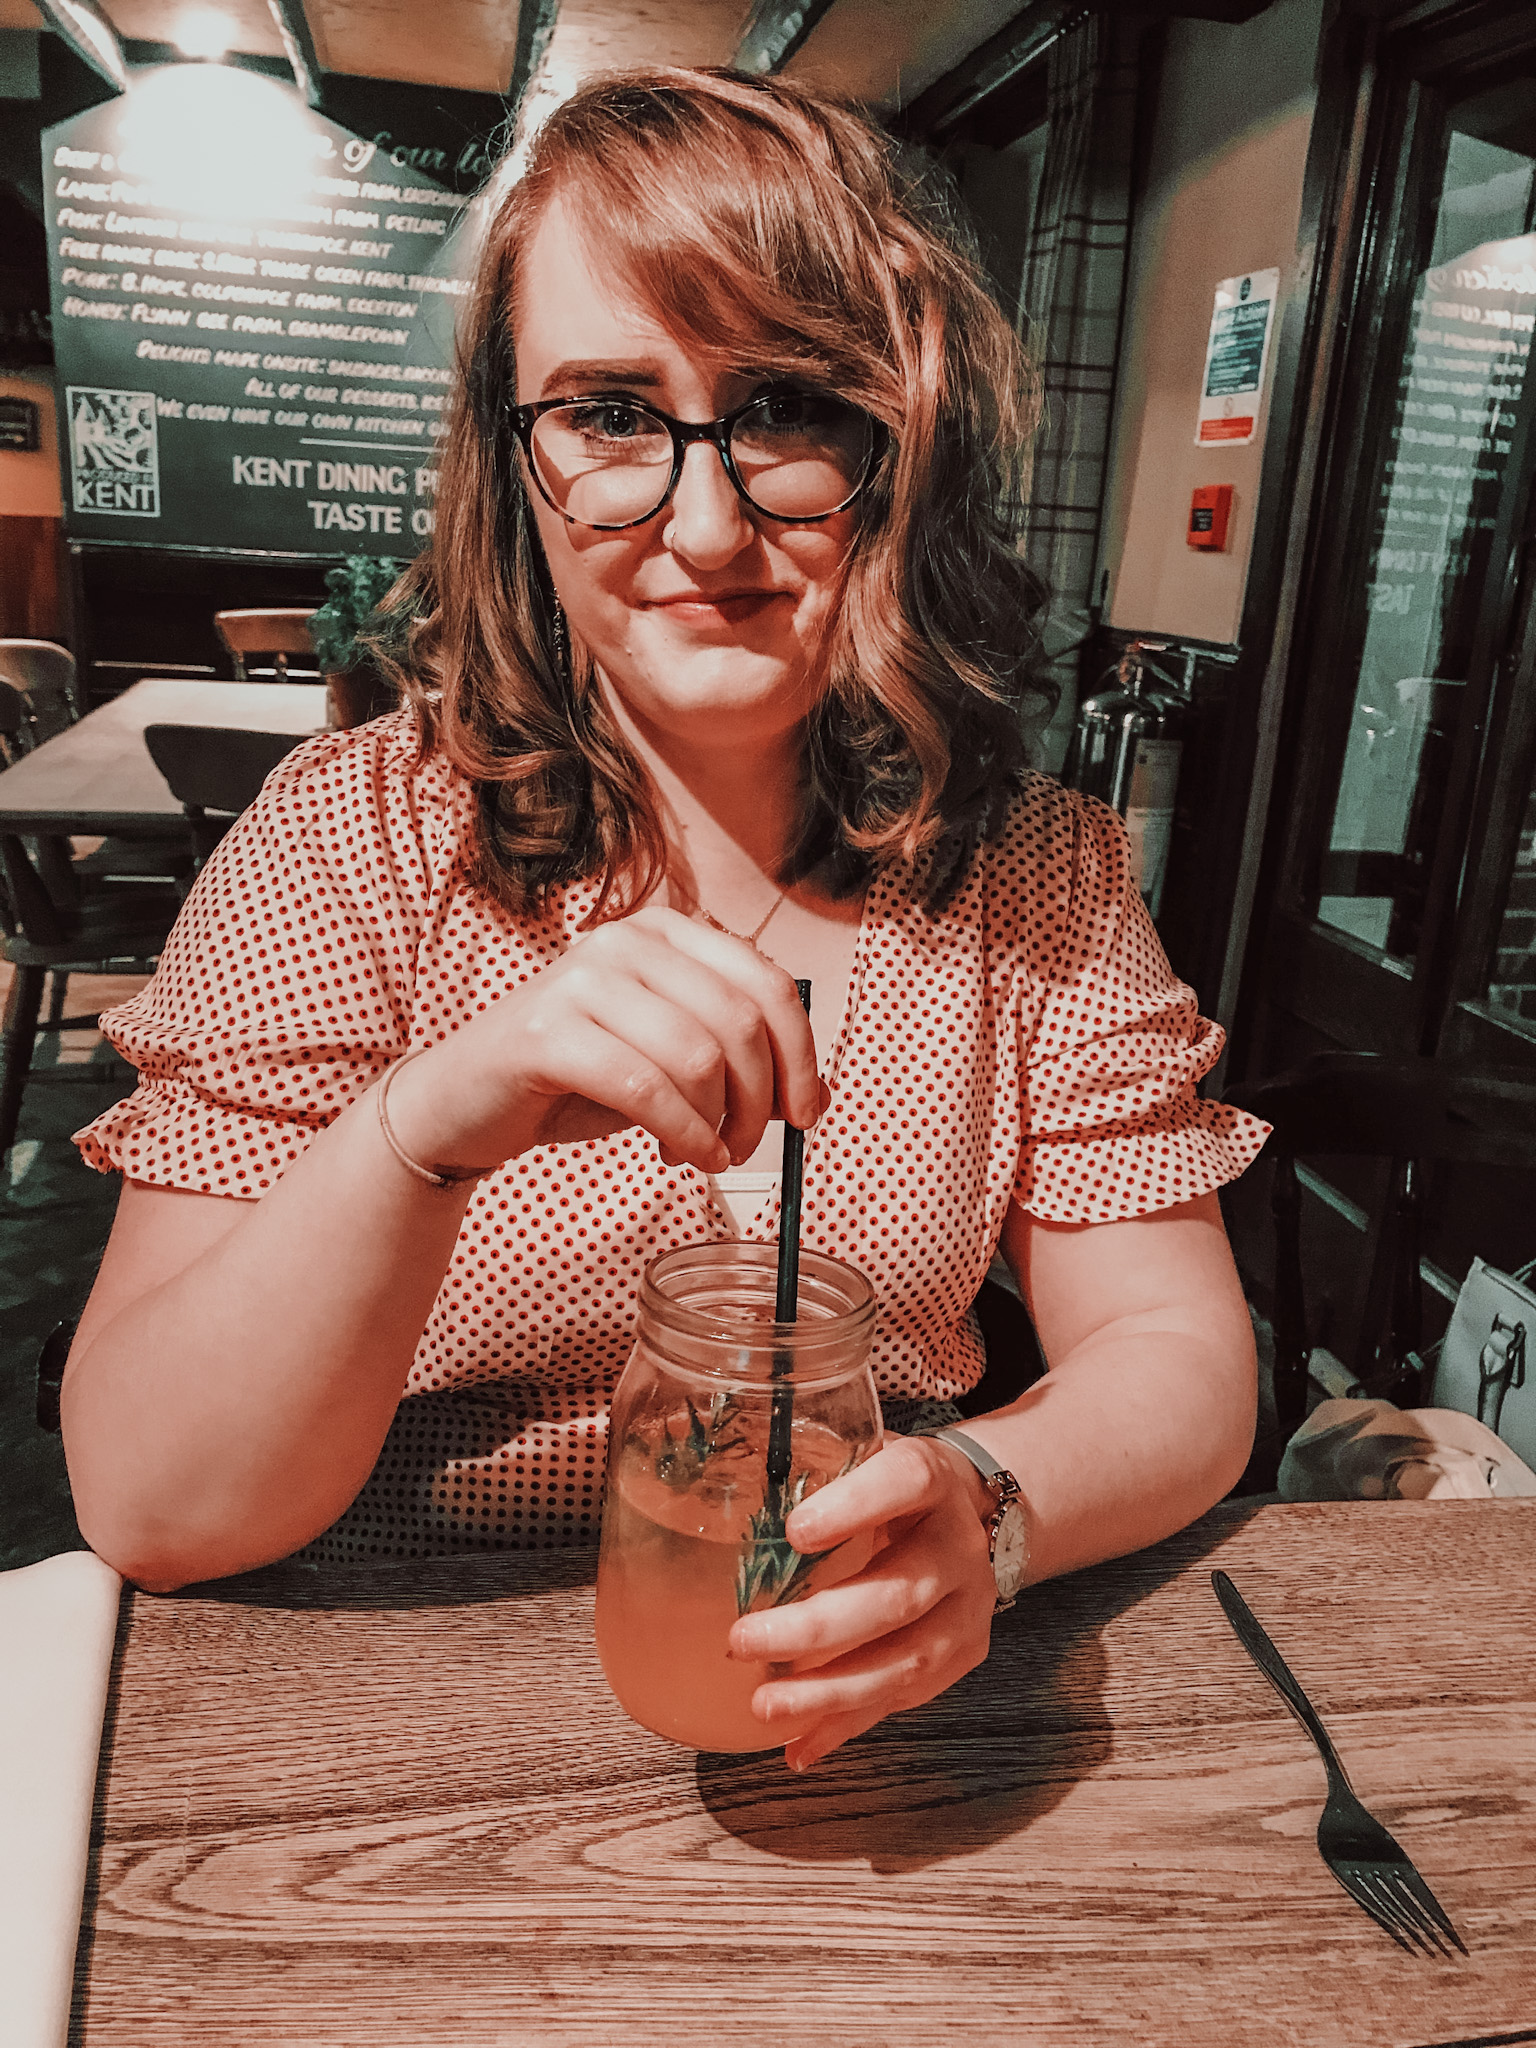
1237 358
253 318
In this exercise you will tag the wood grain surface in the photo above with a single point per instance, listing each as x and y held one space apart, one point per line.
398 1805
97 776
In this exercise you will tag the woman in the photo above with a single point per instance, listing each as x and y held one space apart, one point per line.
716 672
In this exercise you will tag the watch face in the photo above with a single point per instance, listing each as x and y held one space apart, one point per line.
1010 1550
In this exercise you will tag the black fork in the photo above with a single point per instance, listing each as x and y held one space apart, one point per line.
1355 1846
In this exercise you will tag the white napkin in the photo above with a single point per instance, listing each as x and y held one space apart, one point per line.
1369 1450
58 1623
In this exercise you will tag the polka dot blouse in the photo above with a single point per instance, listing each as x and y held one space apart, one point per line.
1028 1044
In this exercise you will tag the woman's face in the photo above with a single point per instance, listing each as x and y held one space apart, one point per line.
706 621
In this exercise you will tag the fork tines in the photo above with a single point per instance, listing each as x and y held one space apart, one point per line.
1401 1904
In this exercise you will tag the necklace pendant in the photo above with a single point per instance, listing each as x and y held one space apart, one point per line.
747 938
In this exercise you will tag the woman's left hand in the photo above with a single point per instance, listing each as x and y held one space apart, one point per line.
916 1619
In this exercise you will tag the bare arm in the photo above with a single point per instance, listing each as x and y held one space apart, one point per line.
1146 1417
238 1364
1143 1422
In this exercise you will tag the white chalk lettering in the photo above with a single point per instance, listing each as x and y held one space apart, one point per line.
268 473
329 516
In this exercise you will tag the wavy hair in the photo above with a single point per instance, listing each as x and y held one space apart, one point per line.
767 226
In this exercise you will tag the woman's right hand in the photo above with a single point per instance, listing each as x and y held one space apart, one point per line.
652 1020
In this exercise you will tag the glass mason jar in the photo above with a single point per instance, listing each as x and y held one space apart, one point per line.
723 1421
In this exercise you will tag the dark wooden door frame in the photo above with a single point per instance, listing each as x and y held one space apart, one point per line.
1252 785
1380 80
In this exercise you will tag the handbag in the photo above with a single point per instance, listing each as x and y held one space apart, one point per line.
1485 1354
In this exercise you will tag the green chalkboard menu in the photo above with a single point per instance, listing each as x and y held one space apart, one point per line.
253 318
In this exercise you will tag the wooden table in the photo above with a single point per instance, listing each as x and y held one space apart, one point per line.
380 1806
97 776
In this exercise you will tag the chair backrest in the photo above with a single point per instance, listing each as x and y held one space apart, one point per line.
278 633
215 769
13 718
44 673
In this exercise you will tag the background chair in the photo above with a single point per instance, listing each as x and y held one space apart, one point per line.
43 674
12 720
1411 1112
39 699
57 921
214 772
250 635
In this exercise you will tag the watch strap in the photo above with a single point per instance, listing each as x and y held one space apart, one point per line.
1005 1491
978 1454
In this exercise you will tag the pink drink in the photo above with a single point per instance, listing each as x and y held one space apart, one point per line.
693 1519
667 1596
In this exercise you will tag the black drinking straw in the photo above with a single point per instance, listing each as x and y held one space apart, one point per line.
786 1308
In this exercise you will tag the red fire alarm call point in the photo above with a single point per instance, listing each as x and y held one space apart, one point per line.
1209 510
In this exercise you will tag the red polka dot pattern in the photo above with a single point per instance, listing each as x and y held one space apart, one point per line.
1030 1043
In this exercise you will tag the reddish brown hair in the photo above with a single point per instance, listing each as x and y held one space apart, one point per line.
770 229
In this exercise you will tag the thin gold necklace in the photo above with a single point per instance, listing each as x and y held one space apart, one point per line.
749 938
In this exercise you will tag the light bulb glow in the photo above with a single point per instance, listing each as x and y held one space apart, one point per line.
225 143
203 34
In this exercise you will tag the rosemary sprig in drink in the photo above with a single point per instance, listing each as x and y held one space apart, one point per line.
679 1461
770 1571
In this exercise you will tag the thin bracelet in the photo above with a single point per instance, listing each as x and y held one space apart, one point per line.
433 1180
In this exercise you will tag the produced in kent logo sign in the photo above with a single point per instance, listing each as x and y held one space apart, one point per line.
114 459
249 298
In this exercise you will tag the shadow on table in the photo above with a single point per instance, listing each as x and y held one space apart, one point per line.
986 1759
465 1580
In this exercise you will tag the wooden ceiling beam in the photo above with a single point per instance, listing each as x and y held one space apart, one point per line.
90 35
299 46
775 29
535 26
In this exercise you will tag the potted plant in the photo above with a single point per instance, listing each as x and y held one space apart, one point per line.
357 691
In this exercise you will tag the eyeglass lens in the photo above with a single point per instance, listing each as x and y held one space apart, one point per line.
608 462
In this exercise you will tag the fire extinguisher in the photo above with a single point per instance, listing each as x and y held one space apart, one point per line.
1125 749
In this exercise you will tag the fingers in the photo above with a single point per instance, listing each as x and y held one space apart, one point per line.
924 1565
913 1621
889 1676
652 1021
797 1088
907 1476
706 1034
620 1086
808 1750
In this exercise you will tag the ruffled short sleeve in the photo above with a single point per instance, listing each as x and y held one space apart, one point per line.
1113 1044
285 987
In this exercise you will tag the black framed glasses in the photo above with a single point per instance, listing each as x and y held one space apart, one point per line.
611 463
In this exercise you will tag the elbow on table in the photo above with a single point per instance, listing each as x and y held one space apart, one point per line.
161 1559
144 1551
161 1551
164 1523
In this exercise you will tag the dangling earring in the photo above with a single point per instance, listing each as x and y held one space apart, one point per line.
562 645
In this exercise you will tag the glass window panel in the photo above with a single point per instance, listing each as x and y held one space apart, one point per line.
1512 987
1474 309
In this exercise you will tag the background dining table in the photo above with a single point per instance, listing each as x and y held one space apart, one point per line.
371 1804
97 777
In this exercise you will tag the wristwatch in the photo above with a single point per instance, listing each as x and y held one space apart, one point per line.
1008 1526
